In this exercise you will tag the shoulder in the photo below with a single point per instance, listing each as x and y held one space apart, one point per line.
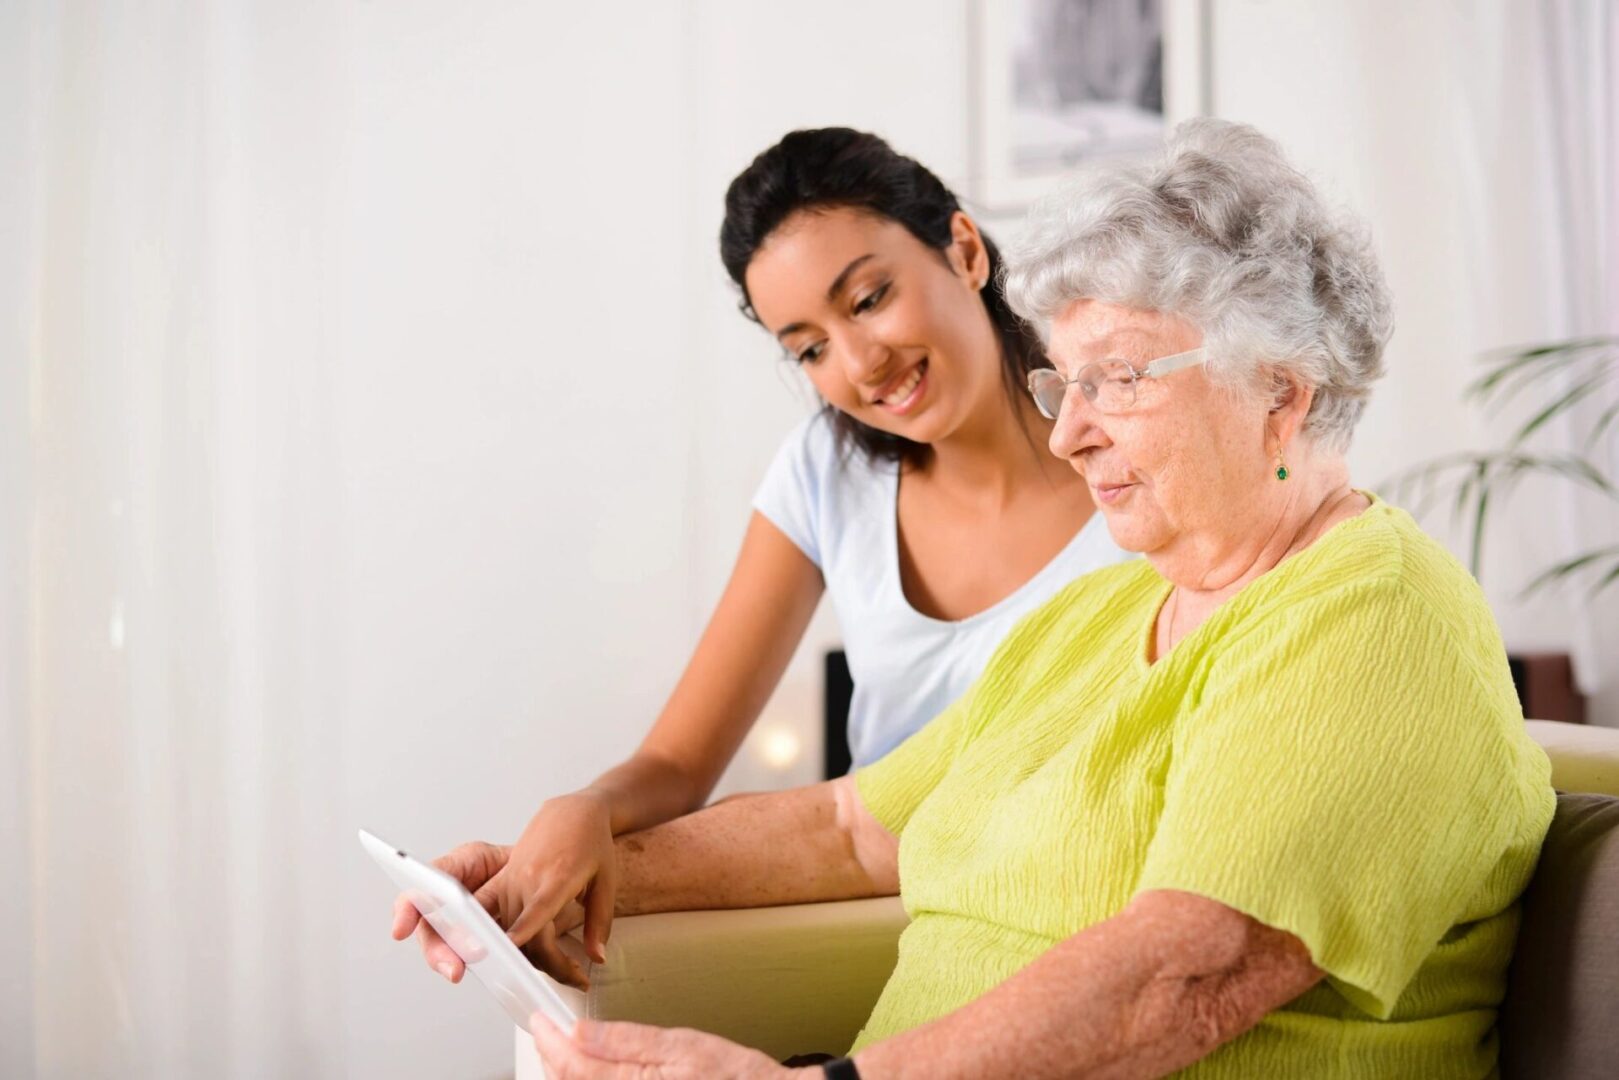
1383 559
813 436
1374 618
812 449
827 497
1096 605
1131 577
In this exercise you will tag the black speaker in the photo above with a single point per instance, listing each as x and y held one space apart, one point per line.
838 689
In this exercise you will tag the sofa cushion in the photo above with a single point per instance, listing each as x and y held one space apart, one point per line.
1559 1019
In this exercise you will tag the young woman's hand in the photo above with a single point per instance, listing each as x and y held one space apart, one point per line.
617 1051
477 866
562 871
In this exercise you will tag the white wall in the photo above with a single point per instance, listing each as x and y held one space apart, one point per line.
549 417
514 464
441 425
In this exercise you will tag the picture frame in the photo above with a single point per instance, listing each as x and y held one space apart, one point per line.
1055 83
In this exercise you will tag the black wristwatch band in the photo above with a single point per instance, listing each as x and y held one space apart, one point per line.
840 1069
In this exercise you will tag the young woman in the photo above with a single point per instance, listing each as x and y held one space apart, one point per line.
921 499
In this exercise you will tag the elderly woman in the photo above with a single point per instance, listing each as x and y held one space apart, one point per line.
1260 804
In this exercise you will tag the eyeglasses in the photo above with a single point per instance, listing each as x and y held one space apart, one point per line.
1110 385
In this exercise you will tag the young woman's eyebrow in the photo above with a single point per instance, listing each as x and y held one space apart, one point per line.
831 293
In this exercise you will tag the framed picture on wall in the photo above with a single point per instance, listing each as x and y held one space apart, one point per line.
1060 82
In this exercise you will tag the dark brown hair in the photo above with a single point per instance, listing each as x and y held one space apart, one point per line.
829 168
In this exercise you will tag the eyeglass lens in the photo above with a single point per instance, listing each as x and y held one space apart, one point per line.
1109 385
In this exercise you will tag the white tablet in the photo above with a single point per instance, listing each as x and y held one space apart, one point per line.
520 987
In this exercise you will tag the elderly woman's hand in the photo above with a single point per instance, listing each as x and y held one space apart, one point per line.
616 1051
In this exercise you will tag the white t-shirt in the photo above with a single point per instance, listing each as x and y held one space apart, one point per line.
841 511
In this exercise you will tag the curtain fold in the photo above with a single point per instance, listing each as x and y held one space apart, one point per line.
181 794
1539 147
1578 70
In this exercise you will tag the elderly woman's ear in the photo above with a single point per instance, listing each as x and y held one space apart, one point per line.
1290 399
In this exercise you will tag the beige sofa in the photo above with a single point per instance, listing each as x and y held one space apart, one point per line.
801 979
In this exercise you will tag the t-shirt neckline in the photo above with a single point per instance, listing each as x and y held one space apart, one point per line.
897 583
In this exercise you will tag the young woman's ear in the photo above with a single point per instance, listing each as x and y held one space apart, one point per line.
968 256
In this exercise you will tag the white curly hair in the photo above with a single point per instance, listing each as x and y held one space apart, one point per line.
1222 231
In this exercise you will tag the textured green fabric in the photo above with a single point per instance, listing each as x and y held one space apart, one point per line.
1337 751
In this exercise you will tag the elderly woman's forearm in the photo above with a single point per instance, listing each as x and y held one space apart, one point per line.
1148 992
788 847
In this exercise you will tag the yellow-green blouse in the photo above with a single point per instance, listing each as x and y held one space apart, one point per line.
1337 751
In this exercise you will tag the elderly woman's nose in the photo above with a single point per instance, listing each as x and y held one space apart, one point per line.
1075 429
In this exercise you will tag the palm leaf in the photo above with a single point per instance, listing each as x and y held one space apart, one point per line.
1491 391
1477 477
1486 477
1604 422
1569 467
1531 365
1570 567
1475 556
1566 401
1569 373
1419 486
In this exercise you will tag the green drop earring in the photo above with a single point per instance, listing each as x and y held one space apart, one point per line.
1281 466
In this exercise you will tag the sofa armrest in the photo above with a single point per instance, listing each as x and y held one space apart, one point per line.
786 980
1584 758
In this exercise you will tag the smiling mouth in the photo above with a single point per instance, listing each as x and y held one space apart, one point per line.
900 392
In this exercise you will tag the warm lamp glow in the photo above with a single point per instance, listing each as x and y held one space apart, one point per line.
779 747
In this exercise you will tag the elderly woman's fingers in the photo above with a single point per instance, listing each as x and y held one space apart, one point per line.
438 954
564 1059
610 1051
473 864
440 957
405 918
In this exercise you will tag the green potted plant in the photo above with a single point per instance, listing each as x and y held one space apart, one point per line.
1554 379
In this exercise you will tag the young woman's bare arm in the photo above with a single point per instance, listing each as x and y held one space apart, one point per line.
739 660
566 852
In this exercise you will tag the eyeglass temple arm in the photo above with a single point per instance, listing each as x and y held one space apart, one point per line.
1166 364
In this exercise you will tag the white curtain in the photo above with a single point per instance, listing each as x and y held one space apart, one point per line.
166 510
1581 57
1540 87
308 309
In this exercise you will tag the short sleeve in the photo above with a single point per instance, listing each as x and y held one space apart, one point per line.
893 786
1345 774
792 492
